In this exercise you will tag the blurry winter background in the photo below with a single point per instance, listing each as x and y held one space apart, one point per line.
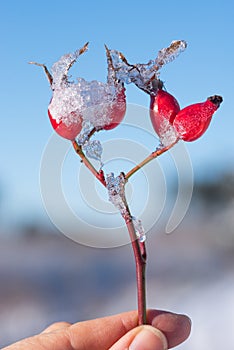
44 276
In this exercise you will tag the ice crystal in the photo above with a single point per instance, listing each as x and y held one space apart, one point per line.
170 53
93 149
144 75
140 232
115 187
168 134
91 101
111 76
60 68
83 136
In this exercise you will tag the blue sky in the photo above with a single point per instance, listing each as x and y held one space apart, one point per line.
44 30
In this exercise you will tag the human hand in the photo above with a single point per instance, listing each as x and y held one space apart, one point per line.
118 332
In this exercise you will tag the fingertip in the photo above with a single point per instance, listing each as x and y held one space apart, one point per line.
149 338
143 337
176 327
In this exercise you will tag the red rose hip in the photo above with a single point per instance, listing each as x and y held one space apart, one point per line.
163 109
117 110
192 121
67 130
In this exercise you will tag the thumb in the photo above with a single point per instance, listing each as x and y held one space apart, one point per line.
142 338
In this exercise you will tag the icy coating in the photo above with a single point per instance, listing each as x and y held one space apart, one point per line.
93 149
167 133
140 232
91 100
115 187
144 75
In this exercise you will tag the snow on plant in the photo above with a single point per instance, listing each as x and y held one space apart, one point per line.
78 109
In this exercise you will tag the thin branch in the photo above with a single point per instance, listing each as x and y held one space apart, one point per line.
148 159
98 174
92 132
139 249
49 76
140 262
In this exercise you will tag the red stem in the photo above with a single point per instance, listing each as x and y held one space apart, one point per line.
98 174
148 159
140 261
138 247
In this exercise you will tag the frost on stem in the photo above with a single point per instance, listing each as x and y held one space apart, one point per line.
83 136
170 53
116 191
140 232
91 100
93 149
145 76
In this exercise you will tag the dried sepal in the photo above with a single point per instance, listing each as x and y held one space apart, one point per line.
145 75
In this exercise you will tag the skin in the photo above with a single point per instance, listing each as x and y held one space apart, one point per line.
165 330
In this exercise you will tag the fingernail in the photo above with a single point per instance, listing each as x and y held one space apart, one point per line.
149 338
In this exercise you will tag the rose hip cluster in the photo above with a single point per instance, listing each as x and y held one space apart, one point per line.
189 123
77 110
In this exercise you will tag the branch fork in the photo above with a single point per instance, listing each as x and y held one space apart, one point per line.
139 248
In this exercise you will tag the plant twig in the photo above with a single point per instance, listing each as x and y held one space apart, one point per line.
48 75
140 262
98 174
138 247
139 251
148 159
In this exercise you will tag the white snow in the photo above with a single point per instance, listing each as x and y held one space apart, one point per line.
90 100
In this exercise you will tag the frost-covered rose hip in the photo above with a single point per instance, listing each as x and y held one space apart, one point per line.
67 130
163 109
64 108
81 106
192 121
117 110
